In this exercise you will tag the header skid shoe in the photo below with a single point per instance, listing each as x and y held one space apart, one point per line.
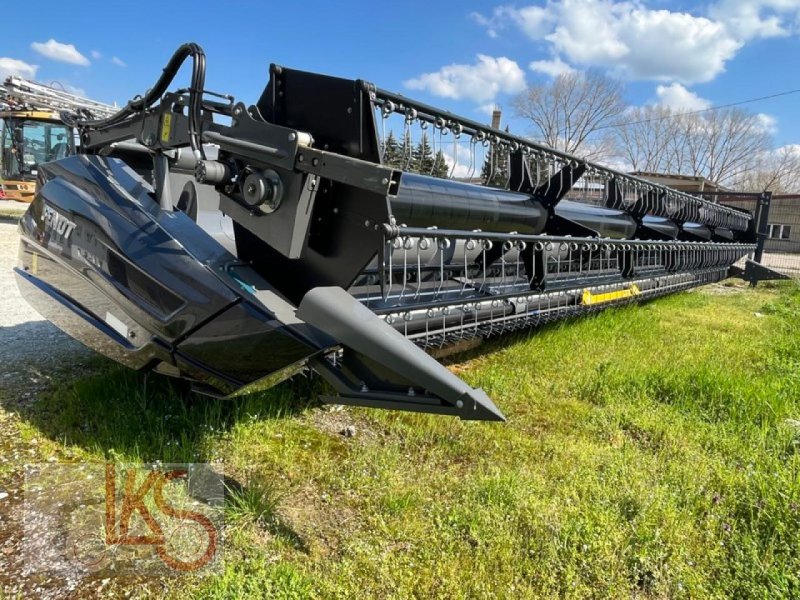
381 368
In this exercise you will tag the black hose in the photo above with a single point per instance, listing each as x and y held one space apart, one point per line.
140 103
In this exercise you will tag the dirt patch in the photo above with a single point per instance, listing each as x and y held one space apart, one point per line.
334 420
724 289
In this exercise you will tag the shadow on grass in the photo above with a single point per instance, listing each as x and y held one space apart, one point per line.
116 414
121 414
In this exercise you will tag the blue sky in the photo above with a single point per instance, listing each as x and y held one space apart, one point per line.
463 56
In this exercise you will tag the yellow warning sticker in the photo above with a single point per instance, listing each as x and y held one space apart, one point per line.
35 264
166 127
590 298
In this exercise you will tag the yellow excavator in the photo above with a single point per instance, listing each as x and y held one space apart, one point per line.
32 132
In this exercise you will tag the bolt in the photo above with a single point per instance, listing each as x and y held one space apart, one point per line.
349 110
251 189
315 161
292 137
301 158
385 181
237 111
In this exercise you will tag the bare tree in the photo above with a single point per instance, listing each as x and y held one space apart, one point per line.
721 145
777 171
646 139
571 112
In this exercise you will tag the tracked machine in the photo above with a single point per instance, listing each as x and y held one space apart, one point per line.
308 236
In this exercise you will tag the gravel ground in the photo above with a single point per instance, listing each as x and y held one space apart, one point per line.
34 354
31 349
11 209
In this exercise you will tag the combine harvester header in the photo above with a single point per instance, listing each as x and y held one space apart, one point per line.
351 251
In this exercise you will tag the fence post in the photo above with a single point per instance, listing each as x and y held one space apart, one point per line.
762 222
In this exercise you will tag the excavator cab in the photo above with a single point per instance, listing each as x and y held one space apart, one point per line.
30 141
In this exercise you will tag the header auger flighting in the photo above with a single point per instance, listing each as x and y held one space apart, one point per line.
339 249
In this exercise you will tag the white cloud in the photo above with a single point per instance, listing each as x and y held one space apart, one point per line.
485 22
748 19
12 66
552 68
768 123
627 37
61 52
533 20
459 170
678 98
486 109
96 55
480 82
118 61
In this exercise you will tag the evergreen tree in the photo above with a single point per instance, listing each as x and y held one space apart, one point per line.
440 168
406 152
392 152
422 160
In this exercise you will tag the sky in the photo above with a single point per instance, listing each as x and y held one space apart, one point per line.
464 56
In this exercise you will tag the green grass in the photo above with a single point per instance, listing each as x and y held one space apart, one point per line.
650 451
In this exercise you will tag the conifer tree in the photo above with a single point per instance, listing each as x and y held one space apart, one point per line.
440 168
406 152
422 158
392 153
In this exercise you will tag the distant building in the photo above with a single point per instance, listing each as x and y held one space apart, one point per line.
783 229
684 183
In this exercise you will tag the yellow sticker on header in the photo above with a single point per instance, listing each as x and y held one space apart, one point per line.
35 264
166 127
590 298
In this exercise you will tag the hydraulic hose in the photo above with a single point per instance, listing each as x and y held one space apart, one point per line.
141 103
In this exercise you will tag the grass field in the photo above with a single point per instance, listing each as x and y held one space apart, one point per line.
650 451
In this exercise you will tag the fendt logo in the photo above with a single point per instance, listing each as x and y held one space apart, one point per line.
55 222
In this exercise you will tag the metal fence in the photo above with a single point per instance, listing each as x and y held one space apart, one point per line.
782 235
777 228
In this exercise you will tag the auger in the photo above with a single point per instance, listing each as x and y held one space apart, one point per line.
234 245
